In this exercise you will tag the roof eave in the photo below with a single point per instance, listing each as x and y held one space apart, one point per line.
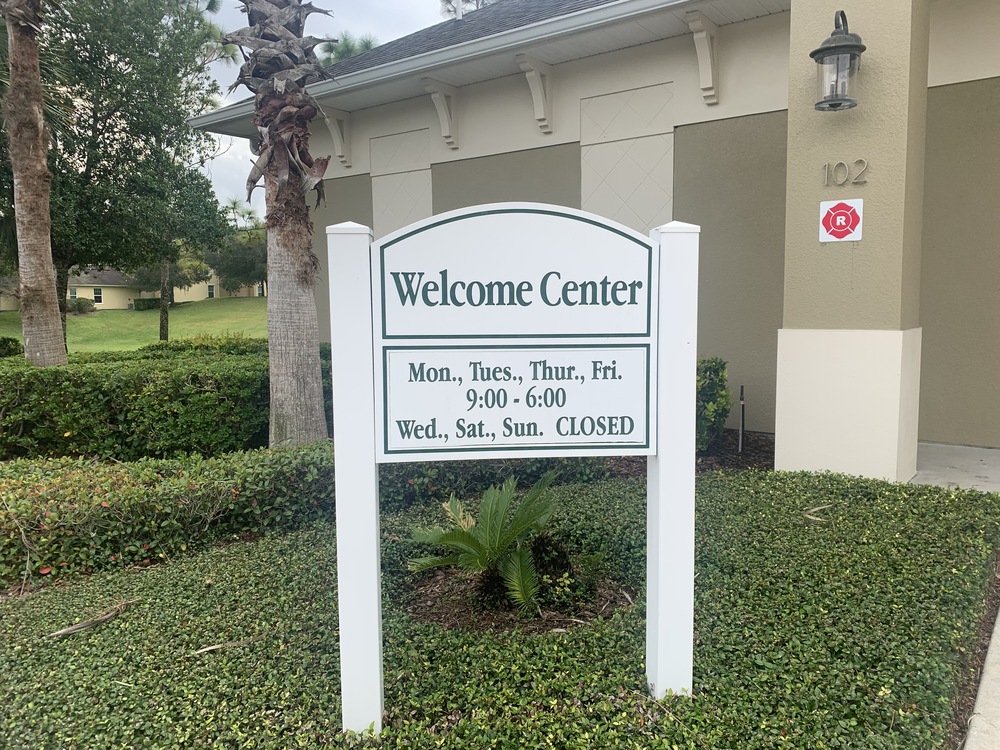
232 120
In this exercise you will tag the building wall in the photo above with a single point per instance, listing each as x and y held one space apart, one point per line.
730 179
114 297
722 167
542 175
348 199
960 290
8 304
496 116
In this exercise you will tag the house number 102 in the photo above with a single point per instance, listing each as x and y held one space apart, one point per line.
841 173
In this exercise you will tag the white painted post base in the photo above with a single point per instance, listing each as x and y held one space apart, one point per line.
670 474
359 581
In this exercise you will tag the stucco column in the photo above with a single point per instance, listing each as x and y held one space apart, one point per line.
848 375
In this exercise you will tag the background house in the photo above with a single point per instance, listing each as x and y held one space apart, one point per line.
702 111
113 290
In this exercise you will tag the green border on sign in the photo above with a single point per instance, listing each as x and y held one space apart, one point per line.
644 243
526 448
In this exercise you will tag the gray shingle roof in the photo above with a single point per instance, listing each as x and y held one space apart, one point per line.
98 277
501 16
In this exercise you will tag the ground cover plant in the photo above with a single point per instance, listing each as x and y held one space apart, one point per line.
114 330
831 612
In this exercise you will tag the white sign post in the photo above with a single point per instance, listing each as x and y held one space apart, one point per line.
513 330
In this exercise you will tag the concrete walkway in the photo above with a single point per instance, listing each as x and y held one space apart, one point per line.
978 469
958 466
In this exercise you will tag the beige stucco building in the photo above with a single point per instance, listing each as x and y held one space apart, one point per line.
702 111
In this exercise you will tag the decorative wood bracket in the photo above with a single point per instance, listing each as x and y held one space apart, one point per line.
339 123
445 100
705 41
539 77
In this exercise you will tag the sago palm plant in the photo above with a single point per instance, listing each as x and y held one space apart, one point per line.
496 547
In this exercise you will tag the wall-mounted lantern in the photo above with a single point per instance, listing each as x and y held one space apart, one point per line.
838 59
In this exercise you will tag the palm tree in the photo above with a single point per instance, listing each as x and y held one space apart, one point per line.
279 61
346 46
28 146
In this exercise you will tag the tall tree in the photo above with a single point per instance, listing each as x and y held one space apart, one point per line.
28 145
449 8
241 261
279 61
193 225
347 45
136 71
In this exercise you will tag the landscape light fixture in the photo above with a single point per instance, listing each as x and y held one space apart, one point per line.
838 59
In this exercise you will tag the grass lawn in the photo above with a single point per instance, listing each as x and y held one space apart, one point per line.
846 626
129 329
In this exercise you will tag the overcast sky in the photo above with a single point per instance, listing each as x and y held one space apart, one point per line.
386 19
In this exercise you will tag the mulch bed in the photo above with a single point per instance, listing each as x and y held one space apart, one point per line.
725 452
447 598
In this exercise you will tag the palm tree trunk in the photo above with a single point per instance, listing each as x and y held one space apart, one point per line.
297 414
28 147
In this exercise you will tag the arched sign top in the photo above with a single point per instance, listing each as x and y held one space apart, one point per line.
515 270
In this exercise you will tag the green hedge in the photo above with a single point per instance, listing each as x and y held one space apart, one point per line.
210 395
79 515
10 347
133 408
147 303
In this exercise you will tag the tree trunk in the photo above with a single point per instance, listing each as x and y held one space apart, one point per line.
62 288
28 147
164 300
297 414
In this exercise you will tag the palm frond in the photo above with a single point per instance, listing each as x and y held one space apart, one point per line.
533 512
493 515
420 564
521 580
457 513
468 550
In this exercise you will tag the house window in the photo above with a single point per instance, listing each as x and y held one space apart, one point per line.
260 289
211 291
72 292
98 295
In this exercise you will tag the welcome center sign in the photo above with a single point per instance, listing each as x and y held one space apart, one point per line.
514 328
510 330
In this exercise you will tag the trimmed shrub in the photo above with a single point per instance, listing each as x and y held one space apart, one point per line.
10 347
81 306
713 401
230 343
78 515
147 303
133 408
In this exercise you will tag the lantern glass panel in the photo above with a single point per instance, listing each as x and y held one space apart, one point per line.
835 82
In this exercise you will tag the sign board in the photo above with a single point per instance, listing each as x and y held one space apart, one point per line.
511 330
841 221
514 328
